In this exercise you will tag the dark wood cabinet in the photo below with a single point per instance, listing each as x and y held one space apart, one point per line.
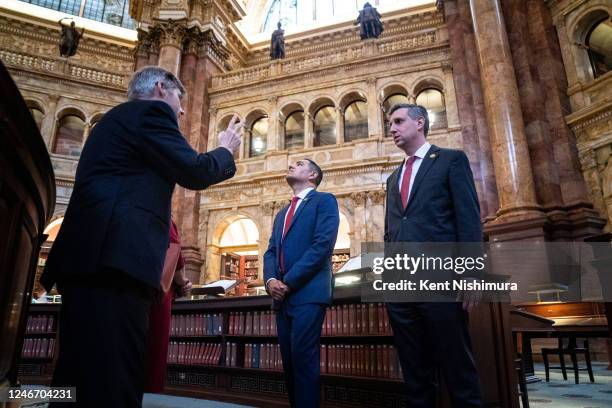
27 199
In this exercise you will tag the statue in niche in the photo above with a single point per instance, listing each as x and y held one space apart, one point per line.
277 44
369 20
70 39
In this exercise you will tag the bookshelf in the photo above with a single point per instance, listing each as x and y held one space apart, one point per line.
244 269
39 348
230 269
357 354
212 364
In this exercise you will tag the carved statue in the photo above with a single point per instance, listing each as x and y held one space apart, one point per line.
70 39
277 45
369 19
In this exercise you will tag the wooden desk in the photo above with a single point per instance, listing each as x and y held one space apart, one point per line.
532 326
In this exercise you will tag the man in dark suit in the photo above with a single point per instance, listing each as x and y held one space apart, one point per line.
108 256
298 276
431 197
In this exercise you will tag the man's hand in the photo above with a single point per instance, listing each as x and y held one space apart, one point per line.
231 138
278 290
469 299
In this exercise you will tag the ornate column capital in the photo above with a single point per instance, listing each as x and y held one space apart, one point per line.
191 41
148 42
359 198
268 208
171 32
377 197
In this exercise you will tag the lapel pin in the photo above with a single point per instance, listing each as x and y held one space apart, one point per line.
433 156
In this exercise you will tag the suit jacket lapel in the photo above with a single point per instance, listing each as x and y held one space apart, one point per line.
423 169
303 204
394 194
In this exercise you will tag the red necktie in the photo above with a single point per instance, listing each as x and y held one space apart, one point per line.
406 180
290 213
294 201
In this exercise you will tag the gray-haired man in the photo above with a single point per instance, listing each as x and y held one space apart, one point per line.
108 256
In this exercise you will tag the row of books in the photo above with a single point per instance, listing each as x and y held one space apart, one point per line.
38 348
361 360
196 324
351 319
40 324
260 323
355 319
190 353
264 356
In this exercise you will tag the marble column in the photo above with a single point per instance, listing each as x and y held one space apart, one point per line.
360 220
195 275
376 216
531 93
212 129
308 130
184 216
515 183
274 133
374 124
470 105
199 63
170 46
548 64
339 125
86 130
47 126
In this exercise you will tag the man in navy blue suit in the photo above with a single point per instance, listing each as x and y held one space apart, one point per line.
108 257
431 197
298 276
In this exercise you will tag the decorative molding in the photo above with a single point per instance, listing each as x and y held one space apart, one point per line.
60 66
420 44
579 121
32 35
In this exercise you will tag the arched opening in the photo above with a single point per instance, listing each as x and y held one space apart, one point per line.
37 115
324 128
356 121
598 42
239 248
258 139
294 130
69 135
433 100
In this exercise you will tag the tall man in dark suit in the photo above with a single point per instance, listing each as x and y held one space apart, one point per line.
108 256
431 197
298 276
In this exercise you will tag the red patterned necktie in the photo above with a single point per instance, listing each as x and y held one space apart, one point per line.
406 180
290 213
294 201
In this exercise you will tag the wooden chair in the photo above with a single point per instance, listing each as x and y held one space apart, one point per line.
573 351
520 372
